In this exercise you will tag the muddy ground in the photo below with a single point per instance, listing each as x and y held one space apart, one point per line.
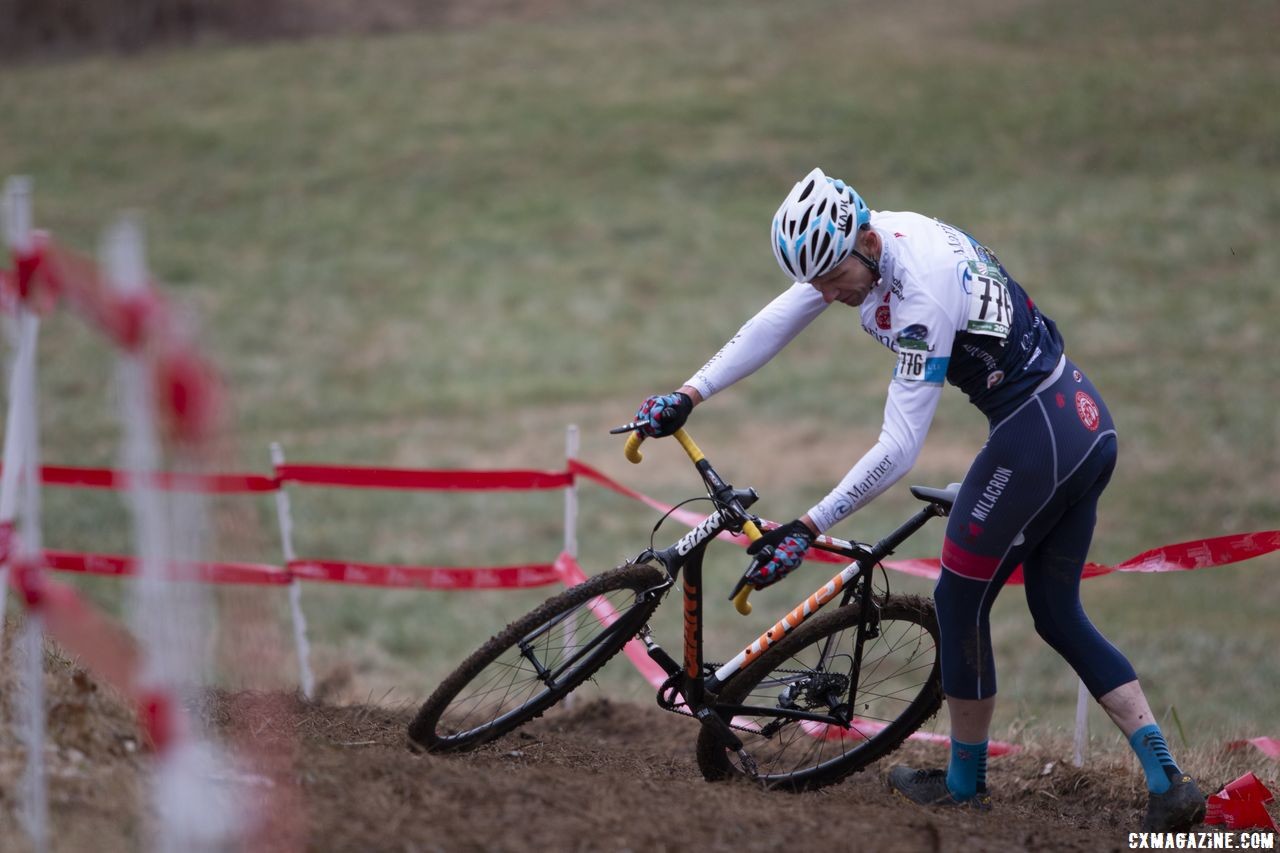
602 775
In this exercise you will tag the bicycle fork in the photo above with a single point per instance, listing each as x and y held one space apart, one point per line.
685 683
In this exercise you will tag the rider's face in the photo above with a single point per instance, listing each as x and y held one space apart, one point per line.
848 282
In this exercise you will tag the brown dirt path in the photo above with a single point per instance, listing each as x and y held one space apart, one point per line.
603 775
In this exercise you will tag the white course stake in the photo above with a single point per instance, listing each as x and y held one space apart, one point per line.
21 382
194 804
26 332
28 548
306 678
20 501
29 708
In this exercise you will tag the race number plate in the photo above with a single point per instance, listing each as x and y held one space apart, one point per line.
990 308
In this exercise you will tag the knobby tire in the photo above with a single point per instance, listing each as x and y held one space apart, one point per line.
501 687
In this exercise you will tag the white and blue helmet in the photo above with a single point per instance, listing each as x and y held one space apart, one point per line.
815 228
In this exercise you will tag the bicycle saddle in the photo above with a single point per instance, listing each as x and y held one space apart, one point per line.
946 496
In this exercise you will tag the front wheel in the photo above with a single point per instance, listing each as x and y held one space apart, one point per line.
809 672
538 659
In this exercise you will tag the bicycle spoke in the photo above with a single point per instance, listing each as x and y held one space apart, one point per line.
537 659
897 674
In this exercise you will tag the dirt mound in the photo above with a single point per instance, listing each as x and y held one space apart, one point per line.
93 755
601 775
613 776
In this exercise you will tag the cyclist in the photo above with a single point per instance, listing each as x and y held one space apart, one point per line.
948 309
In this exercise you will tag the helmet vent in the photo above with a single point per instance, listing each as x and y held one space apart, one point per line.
821 251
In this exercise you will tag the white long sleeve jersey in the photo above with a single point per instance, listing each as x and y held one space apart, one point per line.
948 309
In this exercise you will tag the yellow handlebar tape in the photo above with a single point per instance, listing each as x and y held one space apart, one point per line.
631 449
686 441
740 602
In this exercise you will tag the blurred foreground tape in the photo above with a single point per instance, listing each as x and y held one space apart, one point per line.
1241 805
1268 746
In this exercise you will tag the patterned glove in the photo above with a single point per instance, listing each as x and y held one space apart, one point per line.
777 553
660 416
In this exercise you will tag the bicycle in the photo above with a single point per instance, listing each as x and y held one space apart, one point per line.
810 701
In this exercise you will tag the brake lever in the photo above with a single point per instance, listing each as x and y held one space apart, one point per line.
760 558
742 589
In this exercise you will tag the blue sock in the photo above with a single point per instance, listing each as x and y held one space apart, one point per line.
967 772
1149 745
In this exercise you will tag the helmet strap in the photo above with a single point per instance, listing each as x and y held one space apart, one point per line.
873 266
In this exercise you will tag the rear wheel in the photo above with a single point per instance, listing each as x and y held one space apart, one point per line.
538 659
809 671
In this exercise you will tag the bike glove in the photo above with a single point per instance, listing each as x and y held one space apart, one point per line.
777 553
662 415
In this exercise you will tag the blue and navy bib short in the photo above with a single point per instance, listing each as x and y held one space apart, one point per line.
1030 499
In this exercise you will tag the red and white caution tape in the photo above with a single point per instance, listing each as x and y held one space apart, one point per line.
402 478
521 576
1268 746
424 577
339 476
106 478
1194 554
1185 556
96 640
117 565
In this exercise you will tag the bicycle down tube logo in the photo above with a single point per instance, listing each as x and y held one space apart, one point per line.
699 534
789 622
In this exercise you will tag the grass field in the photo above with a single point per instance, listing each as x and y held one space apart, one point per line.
438 249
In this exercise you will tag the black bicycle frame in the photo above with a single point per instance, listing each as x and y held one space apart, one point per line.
687 679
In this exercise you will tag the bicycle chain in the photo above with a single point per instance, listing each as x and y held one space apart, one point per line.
690 714
687 713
